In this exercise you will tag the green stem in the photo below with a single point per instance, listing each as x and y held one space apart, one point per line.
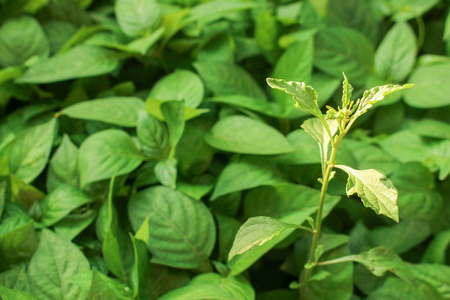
318 224
338 260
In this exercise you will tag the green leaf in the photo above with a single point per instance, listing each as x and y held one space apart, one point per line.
210 11
182 230
53 264
228 79
380 260
106 288
347 90
153 137
63 168
319 133
295 64
173 112
91 61
227 229
11 294
394 288
153 107
137 17
244 135
432 128
21 39
18 241
247 173
256 231
73 224
259 105
396 55
437 249
375 190
117 248
122 111
29 152
213 286
60 202
304 95
179 85
335 52
377 94
141 260
15 278
105 154
432 86
437 276
166 172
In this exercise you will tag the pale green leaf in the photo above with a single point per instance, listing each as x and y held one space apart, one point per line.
122 111
12 294
256 232
62 165
304 95
375 190
241 134
166 172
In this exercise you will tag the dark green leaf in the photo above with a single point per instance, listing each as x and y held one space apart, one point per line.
105 288
173 112
153 137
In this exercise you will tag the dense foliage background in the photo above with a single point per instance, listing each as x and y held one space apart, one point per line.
138 135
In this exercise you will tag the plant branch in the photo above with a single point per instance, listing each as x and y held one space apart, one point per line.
347 258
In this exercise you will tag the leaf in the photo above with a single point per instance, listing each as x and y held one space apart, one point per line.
380 260
377 94
18 241
117 248
247 173
105 154
63 168
436 275
141 261
104 287
137 17
396 55
259 105
166 172
228 79
11 294
213 286
295 64
431 128
153 107
15 278
304 95
347 90
179 85
335 53
143 44
122 111
256 231
227 229
153 137
244 135
316 129
72 225
432 86
437 249
29 152
173 112
213 10
394 288
53 264
91 61
375 190
21 39
182 230
60 202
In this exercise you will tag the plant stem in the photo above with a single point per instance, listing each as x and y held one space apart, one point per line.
318 224
338 260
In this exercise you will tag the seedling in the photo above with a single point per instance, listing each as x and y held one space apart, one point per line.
372 186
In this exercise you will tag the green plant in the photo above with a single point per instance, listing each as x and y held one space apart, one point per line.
375 190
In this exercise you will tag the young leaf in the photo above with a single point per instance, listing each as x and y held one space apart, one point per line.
256 232
376 191
304 95
347 90
173 112
63 168
105 154
377 94
52 266
181 230
319 133
122 111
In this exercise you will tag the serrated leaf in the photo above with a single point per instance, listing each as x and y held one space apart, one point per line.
347 90
377 94
375 190
256 231
304 95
